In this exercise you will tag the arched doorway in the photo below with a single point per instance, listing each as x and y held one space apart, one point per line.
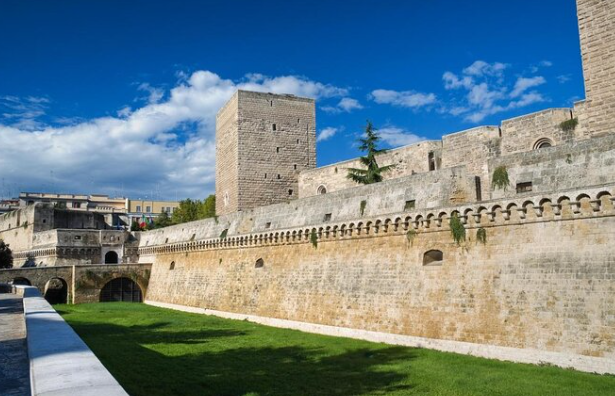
21 281
56 291
121 289
111 257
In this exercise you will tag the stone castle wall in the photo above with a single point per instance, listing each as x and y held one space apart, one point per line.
271 138
524 288
472 148
408 160
597 27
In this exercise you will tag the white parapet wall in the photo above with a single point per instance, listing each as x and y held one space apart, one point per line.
60 362
533 356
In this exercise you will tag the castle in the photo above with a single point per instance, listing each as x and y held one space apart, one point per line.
303 247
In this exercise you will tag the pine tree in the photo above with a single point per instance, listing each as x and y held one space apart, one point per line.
6 255
373 173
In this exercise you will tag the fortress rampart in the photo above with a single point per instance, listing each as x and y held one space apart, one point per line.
542 281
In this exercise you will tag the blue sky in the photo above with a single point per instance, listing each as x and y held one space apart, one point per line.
118 97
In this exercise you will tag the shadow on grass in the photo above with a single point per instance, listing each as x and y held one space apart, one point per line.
149 360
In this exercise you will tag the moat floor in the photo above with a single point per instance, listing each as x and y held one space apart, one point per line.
155 351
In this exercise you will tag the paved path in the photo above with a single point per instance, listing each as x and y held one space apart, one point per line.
14 365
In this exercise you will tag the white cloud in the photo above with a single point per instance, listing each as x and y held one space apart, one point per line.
564 78
23 113
481 68
487 91
154 94
166 146
345 104
349 104
410 99
326 134
523 84
396 137
451 81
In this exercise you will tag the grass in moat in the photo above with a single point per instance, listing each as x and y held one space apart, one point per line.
154 351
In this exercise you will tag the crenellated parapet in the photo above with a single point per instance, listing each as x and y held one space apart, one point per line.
560 206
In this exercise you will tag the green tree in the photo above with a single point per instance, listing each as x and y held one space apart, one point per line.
207 208
373 173
6 255
163 220
185 212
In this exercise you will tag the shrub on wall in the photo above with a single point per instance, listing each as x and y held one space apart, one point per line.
570 125
500 178
314 238
481 235
457 229
410 235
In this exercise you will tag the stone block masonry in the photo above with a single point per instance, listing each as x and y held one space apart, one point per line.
263 141
523 291
597 31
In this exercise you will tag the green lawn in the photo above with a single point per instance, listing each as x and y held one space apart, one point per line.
153 351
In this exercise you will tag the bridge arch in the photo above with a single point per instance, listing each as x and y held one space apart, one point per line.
121 289
56 291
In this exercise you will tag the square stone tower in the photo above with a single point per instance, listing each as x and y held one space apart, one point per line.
597 31
263 141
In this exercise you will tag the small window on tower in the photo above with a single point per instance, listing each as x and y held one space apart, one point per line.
327 217
290 193
410 205
274 127
278 175
271 103
297 141
295 166
524 187
277 149
265 175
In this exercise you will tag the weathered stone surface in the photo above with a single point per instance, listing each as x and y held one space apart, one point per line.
263 141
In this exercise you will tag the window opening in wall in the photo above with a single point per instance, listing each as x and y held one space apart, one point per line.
411 204
290 193
271 103
265 175
148 209
44 221
321 190
172 266
297 141
268 225
278 175
295 166
432 161
274 127
259 263
138 208
77 237
479 192
433 258
327 217
277 149
543 143
524 187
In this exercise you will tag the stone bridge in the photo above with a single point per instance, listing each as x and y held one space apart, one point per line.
84 283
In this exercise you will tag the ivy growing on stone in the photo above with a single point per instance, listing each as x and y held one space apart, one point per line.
500 178
457 229
314 238
410 235
481 235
